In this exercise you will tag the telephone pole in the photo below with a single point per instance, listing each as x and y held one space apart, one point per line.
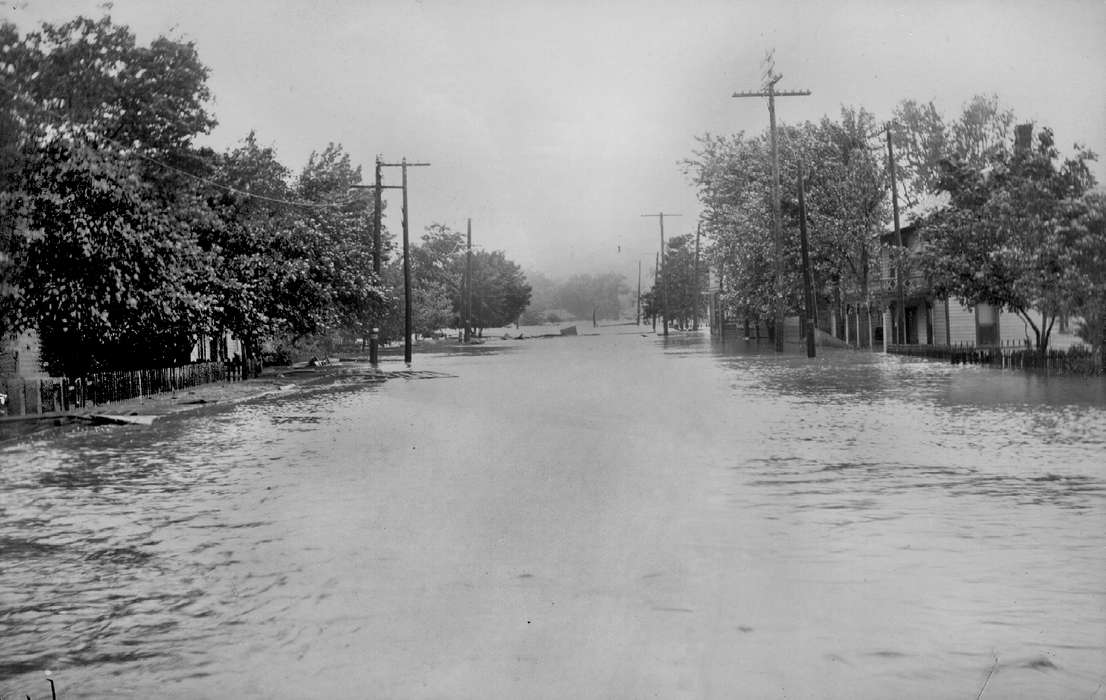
407 317
639 291
660 270
378 206
656 276
468 283
769 91
378 201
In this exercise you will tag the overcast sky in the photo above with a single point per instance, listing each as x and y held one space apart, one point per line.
554 124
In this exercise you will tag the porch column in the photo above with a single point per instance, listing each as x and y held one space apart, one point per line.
886 327
871 331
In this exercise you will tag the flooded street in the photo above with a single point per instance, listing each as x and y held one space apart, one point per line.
607 516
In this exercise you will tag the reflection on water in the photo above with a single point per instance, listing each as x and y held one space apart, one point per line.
596 516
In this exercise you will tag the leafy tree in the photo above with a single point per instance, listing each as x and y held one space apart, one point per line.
438 270
1086 223
922 139
982 132
102 257
499 291
846 202
847 193
586 295
327 280
678 287
1012 233
543 298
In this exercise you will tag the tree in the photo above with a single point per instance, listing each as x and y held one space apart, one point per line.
102 257
592 295
678 286
438 271
499 291
846 195
847 204
543 298
1086 220
922 139
327 279
1012 233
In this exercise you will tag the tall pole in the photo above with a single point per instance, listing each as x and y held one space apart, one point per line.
777 227
695 277
374 347
771 93
378 201
656 276
468 283
808 285
660 271
407 316
639 291
901 310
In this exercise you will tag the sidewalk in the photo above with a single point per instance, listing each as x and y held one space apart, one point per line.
148 409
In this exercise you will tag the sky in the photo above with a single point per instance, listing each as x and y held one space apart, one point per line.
555 124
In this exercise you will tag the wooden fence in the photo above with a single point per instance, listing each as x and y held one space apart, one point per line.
61 394
1078 359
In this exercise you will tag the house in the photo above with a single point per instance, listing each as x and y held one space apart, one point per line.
931 320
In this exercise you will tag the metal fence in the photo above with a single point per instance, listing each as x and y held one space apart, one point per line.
1078 359
21 396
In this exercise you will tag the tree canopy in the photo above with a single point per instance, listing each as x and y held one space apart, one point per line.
844 180
1014 232
121 241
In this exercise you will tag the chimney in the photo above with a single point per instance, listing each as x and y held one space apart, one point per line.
1023 138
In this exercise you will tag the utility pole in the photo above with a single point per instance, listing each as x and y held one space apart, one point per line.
660 271
769 91
468 283
808 284
695 277
378 255
656 276
407 317
639 291
901 310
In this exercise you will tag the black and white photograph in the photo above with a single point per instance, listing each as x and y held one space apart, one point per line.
553 349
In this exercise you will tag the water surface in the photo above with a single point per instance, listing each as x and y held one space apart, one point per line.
607 516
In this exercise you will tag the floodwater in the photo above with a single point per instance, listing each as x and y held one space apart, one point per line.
607 516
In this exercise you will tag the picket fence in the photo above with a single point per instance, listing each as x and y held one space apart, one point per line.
30 396
1078 359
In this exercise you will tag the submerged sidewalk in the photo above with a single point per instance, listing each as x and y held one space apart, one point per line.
146 410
